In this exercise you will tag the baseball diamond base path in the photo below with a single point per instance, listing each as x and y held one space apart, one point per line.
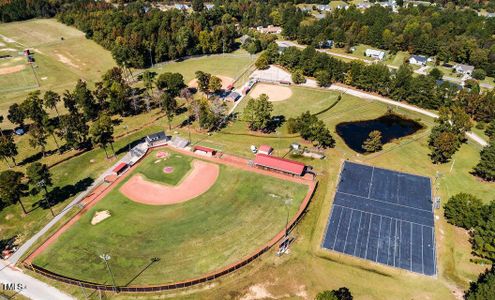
274 92
199 180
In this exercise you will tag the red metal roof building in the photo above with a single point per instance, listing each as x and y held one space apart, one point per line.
280 164
265 149
205 149
120 168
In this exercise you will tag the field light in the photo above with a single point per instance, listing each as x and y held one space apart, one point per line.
106 258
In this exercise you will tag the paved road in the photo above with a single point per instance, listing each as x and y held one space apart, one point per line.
31 288
361 94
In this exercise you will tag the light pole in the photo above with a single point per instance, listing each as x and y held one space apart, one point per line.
106 258
287 203
42 184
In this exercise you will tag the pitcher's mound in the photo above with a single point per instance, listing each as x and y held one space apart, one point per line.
226 81
274 92
168 170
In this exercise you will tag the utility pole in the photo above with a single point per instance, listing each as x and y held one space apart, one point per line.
287 203
106 258
42 184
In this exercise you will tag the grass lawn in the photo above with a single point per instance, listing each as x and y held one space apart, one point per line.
241 212
308 269
152 168
230 65
58 63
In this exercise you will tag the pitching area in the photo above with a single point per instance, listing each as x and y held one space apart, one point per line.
383 216
232 214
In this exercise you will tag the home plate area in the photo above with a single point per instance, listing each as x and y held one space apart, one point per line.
385 217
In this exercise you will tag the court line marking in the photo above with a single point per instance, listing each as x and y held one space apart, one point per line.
386 202
371 183
368 237
410 247
347 232
422 251
358 233
379 235
337 232
381 215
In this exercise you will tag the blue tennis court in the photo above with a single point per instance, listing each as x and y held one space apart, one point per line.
383 216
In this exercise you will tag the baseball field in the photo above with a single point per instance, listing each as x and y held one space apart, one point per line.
239 212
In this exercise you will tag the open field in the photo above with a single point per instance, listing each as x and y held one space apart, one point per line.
229 65
308 269
241 212
59 63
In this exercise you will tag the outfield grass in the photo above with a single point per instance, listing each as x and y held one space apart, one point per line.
230 65
241 212
152 168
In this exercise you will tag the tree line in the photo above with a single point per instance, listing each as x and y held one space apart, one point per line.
450 34
457 108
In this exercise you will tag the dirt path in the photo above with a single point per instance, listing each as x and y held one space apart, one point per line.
201 178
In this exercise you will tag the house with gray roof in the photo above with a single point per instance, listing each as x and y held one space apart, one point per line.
464 69
418 60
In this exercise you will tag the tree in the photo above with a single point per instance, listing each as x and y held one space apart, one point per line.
33 108
262 63
169 106
8 149
85 100
75 130
148 79
463 210
215 84
258 113
490 130
197 5
102 133
203 80
171 82
38 137
12 189
443 145
484 287
298 77
374 142
312 129
40 178
486 166
436 73
479 74
16 115
342 293
323 78
50 100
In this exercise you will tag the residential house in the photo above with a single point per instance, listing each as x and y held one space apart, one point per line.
323 7
375 54
464 69
418 60
181 6
270 29
209 6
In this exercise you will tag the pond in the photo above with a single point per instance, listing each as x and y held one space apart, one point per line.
390 125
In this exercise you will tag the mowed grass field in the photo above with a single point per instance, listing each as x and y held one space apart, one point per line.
242 211
152 168
62 56
308 269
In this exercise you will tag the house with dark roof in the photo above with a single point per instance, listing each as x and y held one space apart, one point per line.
418 60
157 139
